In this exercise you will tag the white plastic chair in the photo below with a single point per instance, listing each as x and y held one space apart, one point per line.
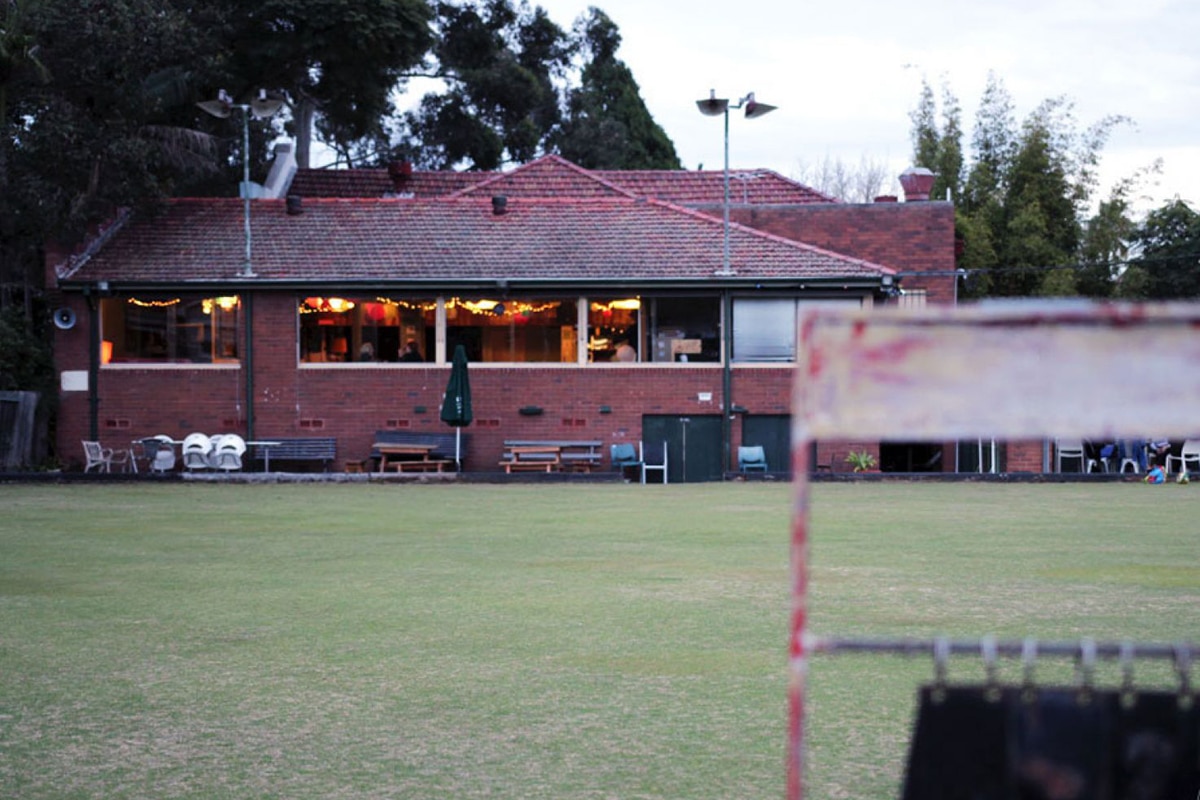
654 458
97 456
1189 453
196 447
161 450
228 453
1072 448
1127 452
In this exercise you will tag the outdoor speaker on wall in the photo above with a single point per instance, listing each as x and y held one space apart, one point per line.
64 319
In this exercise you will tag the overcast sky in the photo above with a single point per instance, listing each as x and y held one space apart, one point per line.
846 75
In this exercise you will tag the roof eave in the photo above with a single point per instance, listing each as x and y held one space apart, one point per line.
606 284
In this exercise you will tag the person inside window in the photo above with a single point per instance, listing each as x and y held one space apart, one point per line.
625 352
410 352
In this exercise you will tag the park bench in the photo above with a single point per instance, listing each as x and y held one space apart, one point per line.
308 449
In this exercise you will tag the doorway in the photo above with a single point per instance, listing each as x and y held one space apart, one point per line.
693 445
772 432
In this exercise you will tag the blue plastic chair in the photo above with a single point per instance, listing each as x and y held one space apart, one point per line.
624 456
751 458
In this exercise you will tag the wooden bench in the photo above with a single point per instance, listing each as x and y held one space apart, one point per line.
573 455
428 465
441 448
321 449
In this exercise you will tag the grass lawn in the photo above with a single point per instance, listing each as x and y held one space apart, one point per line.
521 641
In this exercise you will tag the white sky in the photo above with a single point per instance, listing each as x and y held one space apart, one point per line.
845 75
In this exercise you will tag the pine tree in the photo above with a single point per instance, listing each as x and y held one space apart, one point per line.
607 125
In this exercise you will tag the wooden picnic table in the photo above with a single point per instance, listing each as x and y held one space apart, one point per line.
572 454
409 457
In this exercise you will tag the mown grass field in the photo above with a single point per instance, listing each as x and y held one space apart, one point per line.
524 641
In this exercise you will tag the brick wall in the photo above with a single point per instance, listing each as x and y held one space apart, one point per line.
914 238
352 401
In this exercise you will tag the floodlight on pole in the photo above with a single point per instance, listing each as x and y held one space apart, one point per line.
713 106
260 107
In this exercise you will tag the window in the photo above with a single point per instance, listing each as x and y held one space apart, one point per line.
685 329
613 329
764 329
173 330
517 330
366 328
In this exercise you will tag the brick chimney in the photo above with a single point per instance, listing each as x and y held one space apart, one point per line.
917 183
401 173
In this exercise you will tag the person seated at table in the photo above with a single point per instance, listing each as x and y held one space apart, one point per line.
410 353
1158 450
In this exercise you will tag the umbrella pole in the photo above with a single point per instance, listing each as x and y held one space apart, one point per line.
458 449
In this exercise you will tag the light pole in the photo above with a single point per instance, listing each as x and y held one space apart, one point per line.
711 107
260 107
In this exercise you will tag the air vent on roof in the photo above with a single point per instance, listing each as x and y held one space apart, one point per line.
917 183
295 205
499 205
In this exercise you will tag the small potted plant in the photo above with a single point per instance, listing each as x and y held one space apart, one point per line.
860 461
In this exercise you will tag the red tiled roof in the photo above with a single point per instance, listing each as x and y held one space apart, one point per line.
448 241
554 176
377 183
707 187
549 176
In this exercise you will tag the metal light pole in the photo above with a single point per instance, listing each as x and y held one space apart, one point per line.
711 107
260 107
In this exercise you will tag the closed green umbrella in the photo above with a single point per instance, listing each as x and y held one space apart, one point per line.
456 406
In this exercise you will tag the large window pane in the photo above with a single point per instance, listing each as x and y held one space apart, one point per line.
366 328
173 330
517 330
686 329
613 329
764 330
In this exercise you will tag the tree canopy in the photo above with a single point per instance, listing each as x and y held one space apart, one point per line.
510 94
607 126
98 99
1168 244
1023 200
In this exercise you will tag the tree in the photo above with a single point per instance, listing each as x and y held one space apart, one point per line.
993 144
939 147
1021 208
339 62
499 64
1104 251
607 125
860 183
96 126
18 59
1168 247
1041 228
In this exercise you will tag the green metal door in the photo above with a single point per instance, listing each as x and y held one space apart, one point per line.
772 432
694 451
